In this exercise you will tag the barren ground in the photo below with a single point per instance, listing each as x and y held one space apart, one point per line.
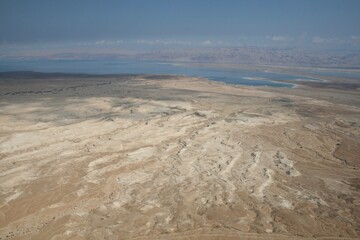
165 157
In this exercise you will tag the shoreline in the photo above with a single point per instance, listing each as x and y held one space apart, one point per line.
199 69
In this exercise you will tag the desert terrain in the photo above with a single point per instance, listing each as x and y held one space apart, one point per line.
175 157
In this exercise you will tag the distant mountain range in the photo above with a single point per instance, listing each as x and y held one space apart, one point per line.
236 55
260 56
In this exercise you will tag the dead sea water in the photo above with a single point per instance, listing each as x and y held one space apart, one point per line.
231 76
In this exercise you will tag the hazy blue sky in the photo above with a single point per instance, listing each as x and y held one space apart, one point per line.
276 23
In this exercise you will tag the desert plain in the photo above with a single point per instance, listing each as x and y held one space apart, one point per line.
175 157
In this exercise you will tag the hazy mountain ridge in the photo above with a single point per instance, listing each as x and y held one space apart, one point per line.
255 55
240 55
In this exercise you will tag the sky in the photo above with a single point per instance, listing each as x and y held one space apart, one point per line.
132 24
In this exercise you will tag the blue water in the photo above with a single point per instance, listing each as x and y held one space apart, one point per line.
232 76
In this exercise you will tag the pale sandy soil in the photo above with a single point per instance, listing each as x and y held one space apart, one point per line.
161 157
